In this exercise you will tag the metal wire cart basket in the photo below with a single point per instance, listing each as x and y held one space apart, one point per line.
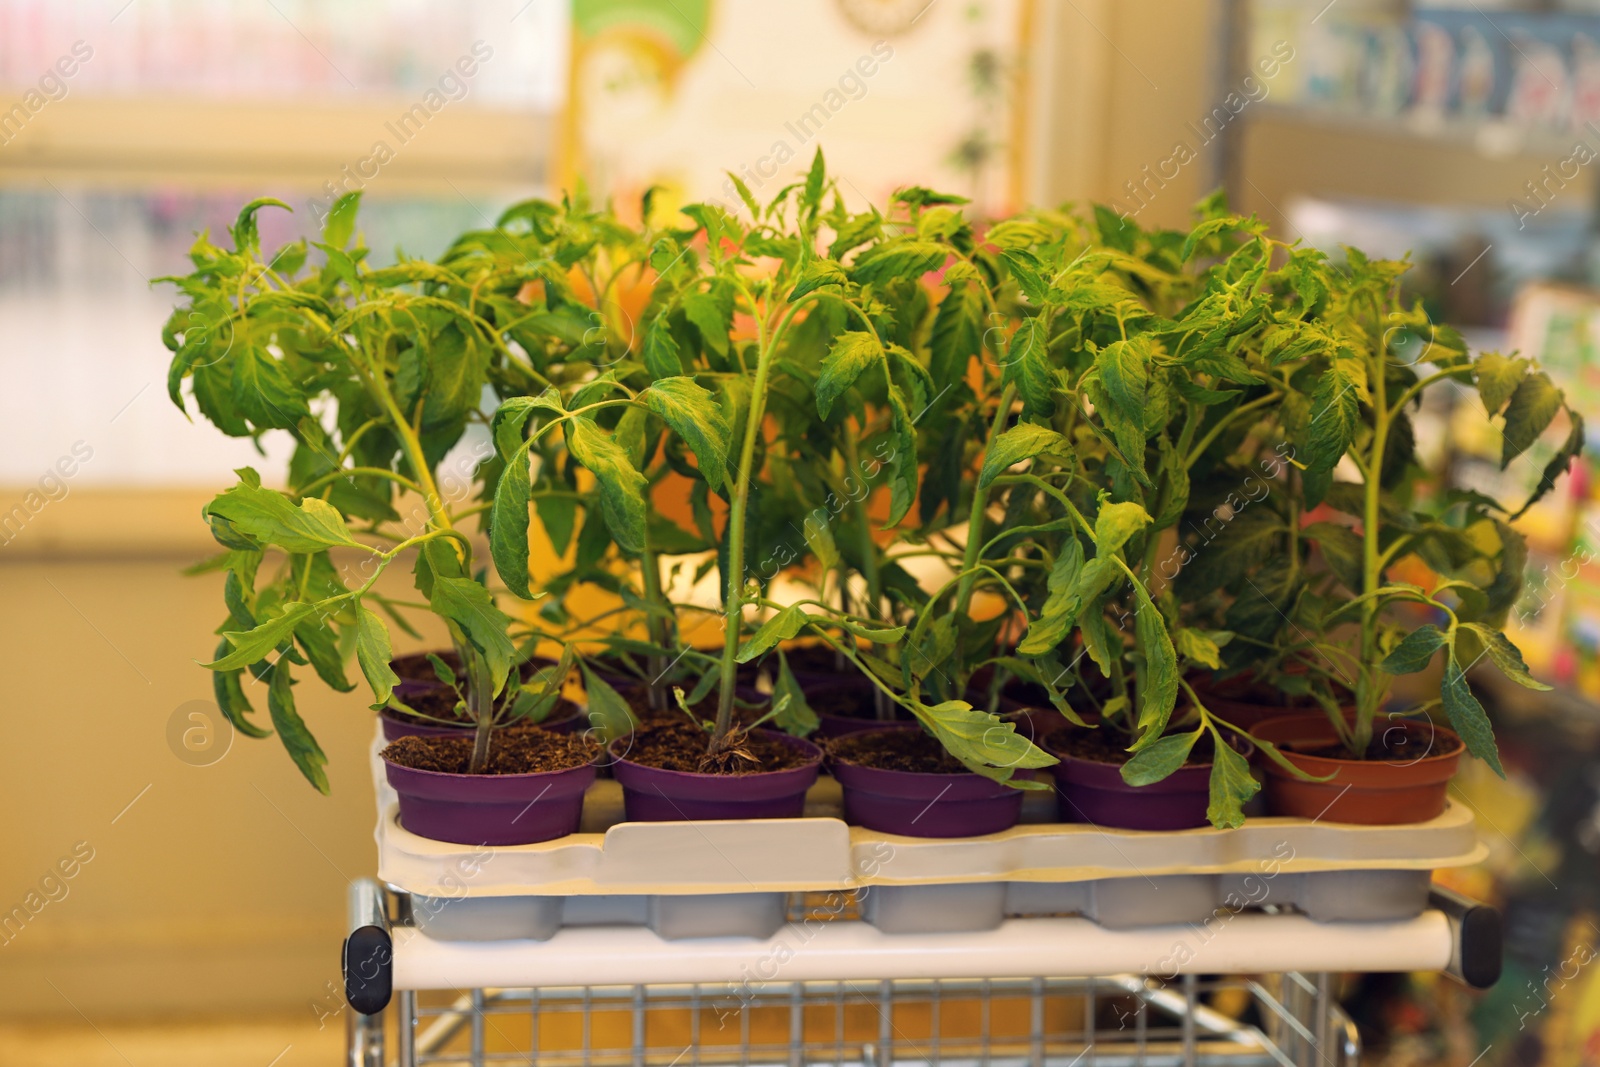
832 989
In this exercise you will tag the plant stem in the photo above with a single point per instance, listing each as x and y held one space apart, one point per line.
969 557
656 624
868 549
733 604
733 601
1367 692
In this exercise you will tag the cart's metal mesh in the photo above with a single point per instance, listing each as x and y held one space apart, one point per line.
1287 1020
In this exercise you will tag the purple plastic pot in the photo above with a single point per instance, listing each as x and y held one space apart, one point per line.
916 804
651 794
567 718
490 809
1089 791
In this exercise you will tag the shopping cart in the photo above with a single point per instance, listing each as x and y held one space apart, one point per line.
1056 991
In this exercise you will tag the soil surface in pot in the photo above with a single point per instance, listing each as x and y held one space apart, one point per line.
523 751
638 700
896 750
681 746
853 704
441 707
1390 745
434 707
416 667
1110 746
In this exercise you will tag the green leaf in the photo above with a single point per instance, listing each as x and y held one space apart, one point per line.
1232 785
231 699
710 317
1197 646
852 353
903 467
1335 412
1028 366
559 515
898 258
374 652
1023 441
695 416
744 194
661 355
458 367
816 179
1124 367
1558 465
341 222
246 238
512 415
819 538
796 718
957 335
1203 232
508 525
263 392
1115 524
442 670
302 747
469 605
1412 654
783 626
253 646
1467 716
1024 266
1532 406
1157 676
1156 762
878 635
1061 608
269 516
1498 378
321 646
1504 655
1341 549
817 274
621 485
983 742
609 714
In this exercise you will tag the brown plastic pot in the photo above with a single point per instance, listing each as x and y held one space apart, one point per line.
1365 792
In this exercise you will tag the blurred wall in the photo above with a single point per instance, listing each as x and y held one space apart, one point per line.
199 879
1116 84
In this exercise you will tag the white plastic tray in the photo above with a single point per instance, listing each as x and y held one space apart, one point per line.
820 852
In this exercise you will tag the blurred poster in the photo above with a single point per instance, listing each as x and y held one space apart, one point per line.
678 93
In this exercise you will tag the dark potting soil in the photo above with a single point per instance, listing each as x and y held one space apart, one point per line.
415 666
896 750
519 751
1110 746
432 705
1389 745
681 746
851 703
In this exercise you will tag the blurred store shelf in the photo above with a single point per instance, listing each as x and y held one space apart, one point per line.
1490 138
147 142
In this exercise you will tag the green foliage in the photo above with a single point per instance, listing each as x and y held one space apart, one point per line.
1114 434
